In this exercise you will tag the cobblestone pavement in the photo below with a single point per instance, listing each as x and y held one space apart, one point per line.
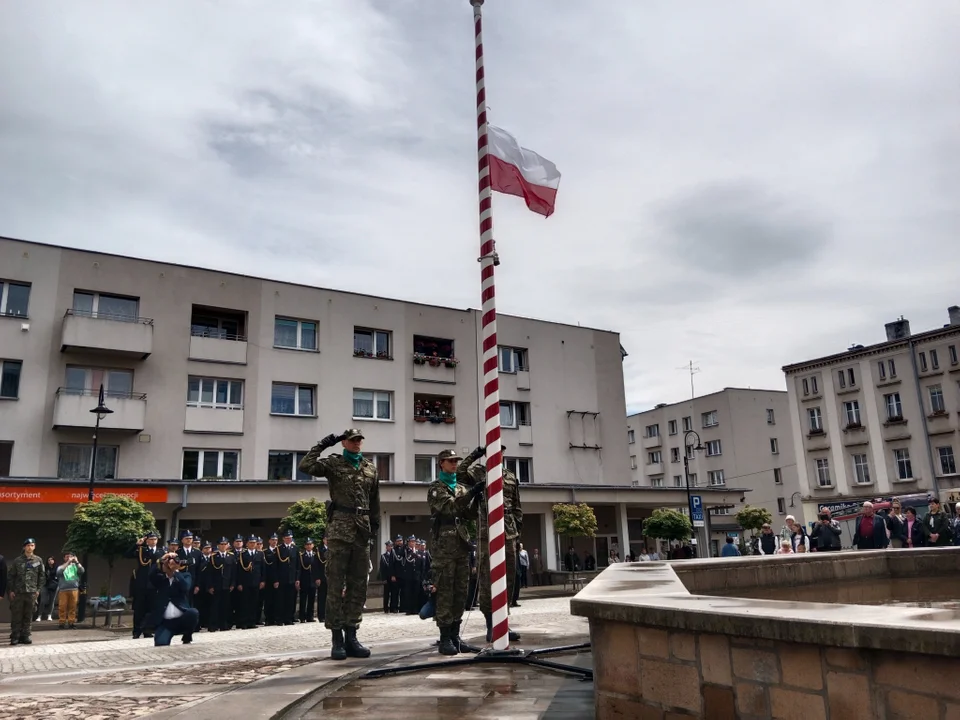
87 708
239 672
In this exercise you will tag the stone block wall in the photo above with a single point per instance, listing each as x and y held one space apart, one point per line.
648 673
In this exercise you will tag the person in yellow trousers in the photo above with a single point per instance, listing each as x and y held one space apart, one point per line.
68 590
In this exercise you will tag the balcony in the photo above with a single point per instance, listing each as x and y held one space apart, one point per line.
654 468
214 421
523 379
652 442
435 432
120 335
434 369
72 408
525 433
230 350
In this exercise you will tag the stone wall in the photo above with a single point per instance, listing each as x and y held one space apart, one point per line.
649 673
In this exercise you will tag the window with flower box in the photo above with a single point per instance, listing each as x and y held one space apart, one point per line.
433 351
369 343
433 408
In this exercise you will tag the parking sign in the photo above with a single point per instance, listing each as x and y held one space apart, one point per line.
696 507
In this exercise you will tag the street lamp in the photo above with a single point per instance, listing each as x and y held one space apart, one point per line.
686 471
101 412
793 496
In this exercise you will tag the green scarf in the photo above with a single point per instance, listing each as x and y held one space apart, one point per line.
353 458
448 478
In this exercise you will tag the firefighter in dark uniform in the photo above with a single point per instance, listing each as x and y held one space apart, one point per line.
220 580
322 581
307 580
191 560
386 574
410 594
146 552
249 583
236 602
201 600
287 558
268 599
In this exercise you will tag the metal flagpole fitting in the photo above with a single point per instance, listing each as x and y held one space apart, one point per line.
491 388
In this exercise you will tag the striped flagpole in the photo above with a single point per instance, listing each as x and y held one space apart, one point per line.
491 387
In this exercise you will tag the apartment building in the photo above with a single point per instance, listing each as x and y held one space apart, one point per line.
746 441
879 420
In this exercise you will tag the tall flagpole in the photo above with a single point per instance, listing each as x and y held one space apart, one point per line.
491 387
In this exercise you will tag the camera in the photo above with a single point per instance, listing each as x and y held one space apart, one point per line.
823 517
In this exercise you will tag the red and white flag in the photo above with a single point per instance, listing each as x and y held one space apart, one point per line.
514 170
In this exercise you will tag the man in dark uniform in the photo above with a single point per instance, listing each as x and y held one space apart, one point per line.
190 561
322 581
287 559
410 592
147 554
236 601
472 588
201 600
396 600
352 522
306 580
424 571
221 580
249 583
268 599
386 574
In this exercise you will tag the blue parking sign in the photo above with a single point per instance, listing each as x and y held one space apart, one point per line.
696 510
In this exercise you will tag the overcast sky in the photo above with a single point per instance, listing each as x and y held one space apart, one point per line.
745 184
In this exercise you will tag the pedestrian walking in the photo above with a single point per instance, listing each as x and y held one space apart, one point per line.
147 554
68 590
353 520
27 576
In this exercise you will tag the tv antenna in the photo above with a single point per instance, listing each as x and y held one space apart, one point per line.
693 369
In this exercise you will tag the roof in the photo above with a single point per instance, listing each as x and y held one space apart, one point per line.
702 397
305 285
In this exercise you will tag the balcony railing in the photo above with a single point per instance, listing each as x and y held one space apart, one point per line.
205 332
107 333
72 408
117 317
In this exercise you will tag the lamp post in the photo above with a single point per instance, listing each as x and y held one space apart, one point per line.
101 412
686 475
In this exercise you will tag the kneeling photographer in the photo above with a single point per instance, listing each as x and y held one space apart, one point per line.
172 614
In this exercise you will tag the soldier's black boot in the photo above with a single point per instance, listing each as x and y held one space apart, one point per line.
337 651
25 640
446 642
489 618
353 646
14 641
514 636
458 641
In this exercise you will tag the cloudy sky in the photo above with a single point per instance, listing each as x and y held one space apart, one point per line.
745 184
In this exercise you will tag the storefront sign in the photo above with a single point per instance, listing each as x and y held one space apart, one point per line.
76 494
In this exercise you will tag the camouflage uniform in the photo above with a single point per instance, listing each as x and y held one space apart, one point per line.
512 525
25 579
355 519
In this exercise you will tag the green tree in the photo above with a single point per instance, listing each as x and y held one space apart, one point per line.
108 528
666 524
574 520
753 518
305 519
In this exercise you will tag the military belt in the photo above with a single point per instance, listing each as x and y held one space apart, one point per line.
450 521
351 510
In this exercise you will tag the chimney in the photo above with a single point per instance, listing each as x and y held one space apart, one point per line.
954 312
898 329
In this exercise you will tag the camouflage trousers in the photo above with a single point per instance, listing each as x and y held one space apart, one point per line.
451 576
21 615
347 566
483 561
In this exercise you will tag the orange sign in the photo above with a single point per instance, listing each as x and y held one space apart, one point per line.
77 494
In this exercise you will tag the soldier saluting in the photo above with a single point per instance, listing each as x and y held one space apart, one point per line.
353 519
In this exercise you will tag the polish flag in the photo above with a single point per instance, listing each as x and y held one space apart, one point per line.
514 170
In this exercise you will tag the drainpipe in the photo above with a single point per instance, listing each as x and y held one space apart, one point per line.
923 417
177 511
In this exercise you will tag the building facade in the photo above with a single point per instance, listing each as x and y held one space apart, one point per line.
879 420
746 440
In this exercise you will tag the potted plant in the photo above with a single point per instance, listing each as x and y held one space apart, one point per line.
451 362
419 358
358 352
450 420
419 418
434 360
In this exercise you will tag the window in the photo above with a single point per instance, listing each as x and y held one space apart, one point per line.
806 387
882 369
709 419
290 399
10 379
892 367
106 307
691 453
904 466
513 360
952 352
851 411
687 424
633 462
656 482
86 381
948 465
215 323
823 472
813 386
372 343
720 511
431 347
713 448
693 480
675 454
771 420
774 446
851 377
75 461
934 360
514 414
215 393
842 378
777 477
210 464
384 463
425 468
436 408
861 470
815 420
716 478
631 437
654 458
923 362
894 409
372 405
14 298
285 465
294 334
781 506
6 457
937 406
678 480
652 431
521 467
